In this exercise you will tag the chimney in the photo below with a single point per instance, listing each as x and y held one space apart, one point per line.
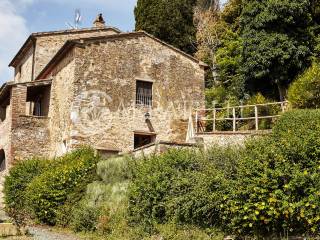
99 22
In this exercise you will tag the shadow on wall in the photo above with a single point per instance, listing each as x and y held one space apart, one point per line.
2 160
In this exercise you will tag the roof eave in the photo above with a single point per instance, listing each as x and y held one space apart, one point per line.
24 47
56 59
33 36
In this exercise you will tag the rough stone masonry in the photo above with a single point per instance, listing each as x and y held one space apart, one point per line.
99 86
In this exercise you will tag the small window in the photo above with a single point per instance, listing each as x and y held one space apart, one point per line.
19 71
3 113
38 98
144 93
2 160
141 140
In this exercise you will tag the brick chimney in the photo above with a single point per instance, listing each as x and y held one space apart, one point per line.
99 22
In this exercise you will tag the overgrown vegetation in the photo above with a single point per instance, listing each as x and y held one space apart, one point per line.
305 91
267 188
46 190
171 21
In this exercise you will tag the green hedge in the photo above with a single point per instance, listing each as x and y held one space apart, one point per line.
267 189
52 194
305 91
277 184
181 186
20 175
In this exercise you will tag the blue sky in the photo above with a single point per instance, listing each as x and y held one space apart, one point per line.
19 18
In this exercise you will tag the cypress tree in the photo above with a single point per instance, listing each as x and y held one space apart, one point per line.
168 20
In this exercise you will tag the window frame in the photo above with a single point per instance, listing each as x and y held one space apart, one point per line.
146 81
151 135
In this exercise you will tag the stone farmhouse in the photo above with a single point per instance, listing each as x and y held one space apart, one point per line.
112 90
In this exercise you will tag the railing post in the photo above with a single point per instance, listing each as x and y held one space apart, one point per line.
214 120
256 117
234 119
282 107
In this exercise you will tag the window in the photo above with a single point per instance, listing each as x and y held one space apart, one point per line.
19 71
2 160
4 106
38 98
3 113
144 93
141 140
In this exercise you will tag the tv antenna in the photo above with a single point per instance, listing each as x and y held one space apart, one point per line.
77 20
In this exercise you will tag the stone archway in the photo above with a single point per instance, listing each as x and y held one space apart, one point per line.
2 160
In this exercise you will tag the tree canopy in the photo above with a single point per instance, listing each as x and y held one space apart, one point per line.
277 41
169 20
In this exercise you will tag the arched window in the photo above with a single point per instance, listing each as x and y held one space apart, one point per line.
2 160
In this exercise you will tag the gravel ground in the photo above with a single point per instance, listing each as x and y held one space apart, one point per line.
40 233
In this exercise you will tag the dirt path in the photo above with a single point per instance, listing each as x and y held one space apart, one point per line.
41 233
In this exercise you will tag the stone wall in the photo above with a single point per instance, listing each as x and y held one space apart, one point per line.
93 94
23 73
227 138
62 92
5 135
104 112
46 46
30 137
160 147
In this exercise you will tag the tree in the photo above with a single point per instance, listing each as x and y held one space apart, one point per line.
277 40
220 46
304 92
168 20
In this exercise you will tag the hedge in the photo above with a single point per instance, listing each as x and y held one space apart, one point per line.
182 186
20 175
52 194
304 92
267 189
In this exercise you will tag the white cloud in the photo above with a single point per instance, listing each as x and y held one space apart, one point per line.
13 32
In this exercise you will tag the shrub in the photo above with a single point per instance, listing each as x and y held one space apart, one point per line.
173 231
114 170
20 175
54 192
276 188
268 189
108 197
181 186
84 218
304 92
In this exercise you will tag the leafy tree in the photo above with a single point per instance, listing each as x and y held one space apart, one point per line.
169 20
277 42
231 12
220 46
305 91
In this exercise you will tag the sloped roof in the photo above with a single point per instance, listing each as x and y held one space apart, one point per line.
28 43
84 41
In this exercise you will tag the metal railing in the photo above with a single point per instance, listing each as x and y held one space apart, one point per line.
239 118
144 97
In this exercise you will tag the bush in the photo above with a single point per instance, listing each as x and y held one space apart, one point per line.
181 186
276 188
268 189
107 197
305 90
20 175
114 170
84 218
52 194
